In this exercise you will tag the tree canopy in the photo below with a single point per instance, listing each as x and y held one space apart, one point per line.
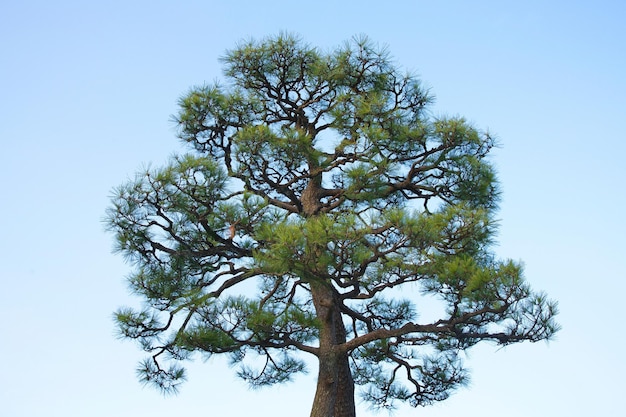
319 208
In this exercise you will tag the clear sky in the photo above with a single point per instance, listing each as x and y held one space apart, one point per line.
87 89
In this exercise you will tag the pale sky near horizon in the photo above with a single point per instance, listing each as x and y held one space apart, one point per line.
86 94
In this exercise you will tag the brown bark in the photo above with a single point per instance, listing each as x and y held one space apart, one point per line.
334 396
310 198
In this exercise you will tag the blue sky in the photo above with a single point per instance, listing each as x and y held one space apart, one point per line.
86 94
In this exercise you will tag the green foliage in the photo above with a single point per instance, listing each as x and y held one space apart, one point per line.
168 380
322 180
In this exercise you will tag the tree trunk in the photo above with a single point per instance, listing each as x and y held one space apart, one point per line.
334 396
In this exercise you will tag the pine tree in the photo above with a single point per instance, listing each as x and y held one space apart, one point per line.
319 207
